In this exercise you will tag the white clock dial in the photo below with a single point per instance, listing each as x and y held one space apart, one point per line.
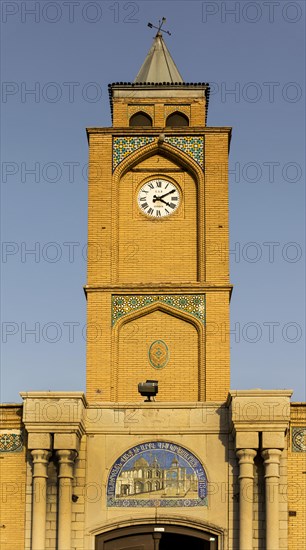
158 198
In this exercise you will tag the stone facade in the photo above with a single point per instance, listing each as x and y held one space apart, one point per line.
254 477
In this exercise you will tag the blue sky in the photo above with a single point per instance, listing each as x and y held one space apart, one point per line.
253 54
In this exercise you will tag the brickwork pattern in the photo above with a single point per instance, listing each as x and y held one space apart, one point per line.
148 109
283 502
12 483
162 108
179 380
157 250
28 514
185 109
296 481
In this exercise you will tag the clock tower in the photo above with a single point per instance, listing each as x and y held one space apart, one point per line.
107 470
158 287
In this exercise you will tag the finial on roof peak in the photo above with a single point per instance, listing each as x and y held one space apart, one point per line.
158 65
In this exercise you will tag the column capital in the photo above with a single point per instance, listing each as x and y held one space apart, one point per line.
271 460
271 455
40 459
66 459
246 455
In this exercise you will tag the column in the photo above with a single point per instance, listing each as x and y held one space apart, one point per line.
271 461
65 476
39 504
246 477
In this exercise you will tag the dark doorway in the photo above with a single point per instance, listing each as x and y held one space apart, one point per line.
156 538
137 542
182 542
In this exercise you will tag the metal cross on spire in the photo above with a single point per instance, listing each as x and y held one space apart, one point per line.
159 28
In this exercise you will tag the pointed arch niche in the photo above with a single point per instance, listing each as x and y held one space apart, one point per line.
182 377
159 250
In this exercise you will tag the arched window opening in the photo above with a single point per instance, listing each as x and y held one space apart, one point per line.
177 119
140 119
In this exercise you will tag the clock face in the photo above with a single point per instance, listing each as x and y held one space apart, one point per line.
158 198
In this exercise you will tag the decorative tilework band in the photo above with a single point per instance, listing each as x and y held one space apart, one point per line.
10 442
124 146
193 146
194 304
299 440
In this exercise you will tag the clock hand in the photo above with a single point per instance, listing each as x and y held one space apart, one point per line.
161 200
155 198
169 193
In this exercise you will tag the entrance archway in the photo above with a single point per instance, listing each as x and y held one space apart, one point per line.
153 537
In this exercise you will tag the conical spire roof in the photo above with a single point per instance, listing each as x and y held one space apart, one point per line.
158 66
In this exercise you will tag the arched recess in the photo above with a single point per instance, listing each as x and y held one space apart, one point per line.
162 148
183 377
127 168
140 119
177 119
212 536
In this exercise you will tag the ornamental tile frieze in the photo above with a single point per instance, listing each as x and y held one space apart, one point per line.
124 146
299 440
193 146
10 442
123 304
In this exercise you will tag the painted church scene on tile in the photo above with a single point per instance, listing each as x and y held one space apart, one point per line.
160 452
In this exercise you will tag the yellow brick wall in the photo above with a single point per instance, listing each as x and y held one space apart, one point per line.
217 353
179 379
216 208
99 259
123 110
151 250
296 482
12 484
99 381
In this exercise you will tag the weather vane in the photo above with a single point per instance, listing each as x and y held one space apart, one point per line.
159 28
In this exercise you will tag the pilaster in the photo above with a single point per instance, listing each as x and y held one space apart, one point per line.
66 460
246 490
